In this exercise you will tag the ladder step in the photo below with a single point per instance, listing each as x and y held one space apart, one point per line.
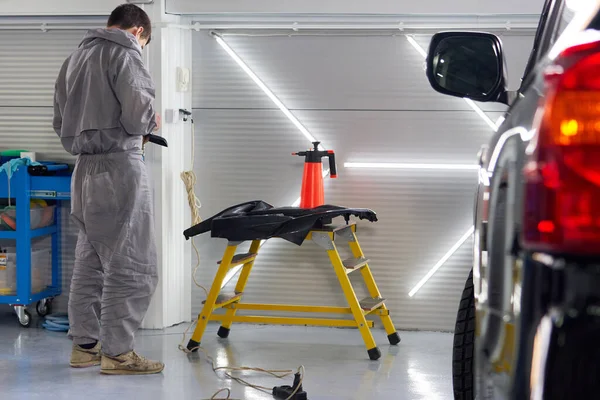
353 264
335 228
225 299
240 259
371 304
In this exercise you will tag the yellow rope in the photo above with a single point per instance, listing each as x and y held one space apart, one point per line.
189 180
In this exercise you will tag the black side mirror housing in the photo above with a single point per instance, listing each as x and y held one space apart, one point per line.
468 64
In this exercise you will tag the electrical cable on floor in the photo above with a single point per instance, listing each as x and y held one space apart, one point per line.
280 374
214 396
189 180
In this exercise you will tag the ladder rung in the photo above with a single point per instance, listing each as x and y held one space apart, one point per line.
226 298
353 264
335 228
371 303
240 259
344 227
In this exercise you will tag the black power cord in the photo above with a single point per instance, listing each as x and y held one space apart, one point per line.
294 392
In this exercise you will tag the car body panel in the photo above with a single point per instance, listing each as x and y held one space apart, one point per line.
511 296
505 162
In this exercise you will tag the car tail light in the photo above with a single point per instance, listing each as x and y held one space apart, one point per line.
562 172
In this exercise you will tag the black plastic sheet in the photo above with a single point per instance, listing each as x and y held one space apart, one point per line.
257 220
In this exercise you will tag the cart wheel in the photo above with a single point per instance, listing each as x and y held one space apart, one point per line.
26 321
44 307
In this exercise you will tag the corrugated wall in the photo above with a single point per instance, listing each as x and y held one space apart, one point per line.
29 65
367 98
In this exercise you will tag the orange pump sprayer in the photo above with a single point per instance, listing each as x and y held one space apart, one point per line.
312 194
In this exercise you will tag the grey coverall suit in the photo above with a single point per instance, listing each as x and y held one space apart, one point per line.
104 98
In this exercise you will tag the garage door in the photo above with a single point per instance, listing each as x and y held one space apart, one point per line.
29 64
366 97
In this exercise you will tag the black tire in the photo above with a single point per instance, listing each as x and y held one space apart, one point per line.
464 342
45 309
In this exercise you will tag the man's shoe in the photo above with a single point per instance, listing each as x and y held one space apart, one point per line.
84 358
130 364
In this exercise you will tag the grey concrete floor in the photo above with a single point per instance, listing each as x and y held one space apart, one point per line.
34 365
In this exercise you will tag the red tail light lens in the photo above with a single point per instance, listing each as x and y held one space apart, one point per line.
562 175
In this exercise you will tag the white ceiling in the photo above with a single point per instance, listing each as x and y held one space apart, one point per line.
355 6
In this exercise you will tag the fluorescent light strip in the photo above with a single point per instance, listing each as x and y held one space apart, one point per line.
457 167
454 248
283 108
484 177
442 261
417 46
265 89
470 102
483 115
500 121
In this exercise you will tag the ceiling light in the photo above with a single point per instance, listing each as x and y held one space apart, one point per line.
500 121
417 46
484 177
283 109
265 89
442 261
483 115
457 167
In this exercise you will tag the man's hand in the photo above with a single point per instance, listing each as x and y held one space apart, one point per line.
146 139
158 123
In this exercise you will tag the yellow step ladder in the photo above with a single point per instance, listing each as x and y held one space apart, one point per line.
324 238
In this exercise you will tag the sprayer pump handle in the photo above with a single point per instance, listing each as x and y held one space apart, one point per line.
332 165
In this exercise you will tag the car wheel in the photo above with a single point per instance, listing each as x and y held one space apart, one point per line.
464 344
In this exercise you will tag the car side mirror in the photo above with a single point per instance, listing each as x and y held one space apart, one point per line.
467 64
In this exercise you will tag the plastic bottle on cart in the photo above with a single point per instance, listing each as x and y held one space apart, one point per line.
7 281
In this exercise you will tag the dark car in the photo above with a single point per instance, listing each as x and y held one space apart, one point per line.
528 324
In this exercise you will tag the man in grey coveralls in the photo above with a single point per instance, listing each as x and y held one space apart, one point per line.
103 111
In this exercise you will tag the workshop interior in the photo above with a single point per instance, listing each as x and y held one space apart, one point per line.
350 200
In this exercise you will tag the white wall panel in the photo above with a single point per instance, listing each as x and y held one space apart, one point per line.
29 65
31 129
415 136
368 99
329 72
355 6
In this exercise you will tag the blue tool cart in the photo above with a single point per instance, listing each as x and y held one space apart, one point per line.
31 186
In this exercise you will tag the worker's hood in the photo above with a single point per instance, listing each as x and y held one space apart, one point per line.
118 36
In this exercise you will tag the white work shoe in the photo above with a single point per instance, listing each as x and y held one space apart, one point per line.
83 358
130 364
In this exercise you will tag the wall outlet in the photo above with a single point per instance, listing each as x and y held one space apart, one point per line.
183 79
172 116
